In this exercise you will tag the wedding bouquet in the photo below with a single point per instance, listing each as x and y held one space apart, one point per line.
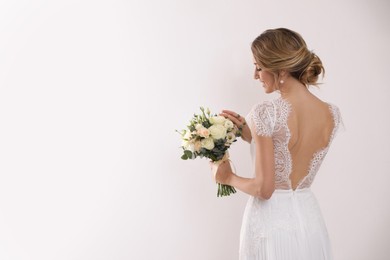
210 136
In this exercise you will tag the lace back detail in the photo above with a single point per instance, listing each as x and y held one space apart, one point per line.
319 156
270 119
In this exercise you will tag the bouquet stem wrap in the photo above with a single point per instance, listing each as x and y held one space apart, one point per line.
222 189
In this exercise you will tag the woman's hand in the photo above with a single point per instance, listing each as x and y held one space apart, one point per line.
222 172
240 122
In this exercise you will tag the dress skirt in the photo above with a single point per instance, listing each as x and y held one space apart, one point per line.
288 226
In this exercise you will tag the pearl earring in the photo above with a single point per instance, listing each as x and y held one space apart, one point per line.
281 81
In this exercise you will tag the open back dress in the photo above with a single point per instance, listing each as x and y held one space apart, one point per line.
289 225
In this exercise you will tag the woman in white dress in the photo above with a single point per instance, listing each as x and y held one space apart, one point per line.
289 138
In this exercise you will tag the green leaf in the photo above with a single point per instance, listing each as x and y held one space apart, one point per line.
206 124
188 153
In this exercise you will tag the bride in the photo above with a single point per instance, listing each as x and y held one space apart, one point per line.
289 137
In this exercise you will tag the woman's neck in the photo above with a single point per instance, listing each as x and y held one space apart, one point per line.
292 89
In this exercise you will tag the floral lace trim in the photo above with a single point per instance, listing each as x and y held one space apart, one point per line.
318 157
281 138
263 116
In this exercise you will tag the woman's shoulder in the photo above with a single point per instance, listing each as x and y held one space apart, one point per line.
265 104
271 108
336 113
276 107
332 105
261 118
260 109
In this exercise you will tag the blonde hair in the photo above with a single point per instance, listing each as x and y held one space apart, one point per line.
283 49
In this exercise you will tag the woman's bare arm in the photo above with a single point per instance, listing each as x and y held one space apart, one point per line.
263 184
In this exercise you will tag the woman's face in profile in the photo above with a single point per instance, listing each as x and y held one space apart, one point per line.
265 77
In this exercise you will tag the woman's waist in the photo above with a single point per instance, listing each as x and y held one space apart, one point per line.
287 195
293 193
297 190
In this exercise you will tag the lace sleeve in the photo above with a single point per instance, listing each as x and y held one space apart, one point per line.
340 127
261 118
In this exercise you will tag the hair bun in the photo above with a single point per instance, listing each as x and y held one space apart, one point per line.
310 75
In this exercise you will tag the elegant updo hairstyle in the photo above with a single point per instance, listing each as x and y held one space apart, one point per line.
283 49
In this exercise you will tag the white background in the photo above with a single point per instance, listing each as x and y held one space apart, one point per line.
92 91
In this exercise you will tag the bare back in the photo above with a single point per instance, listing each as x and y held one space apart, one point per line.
311 125
301 131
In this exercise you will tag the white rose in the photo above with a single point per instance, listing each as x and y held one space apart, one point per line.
230 137
187 135
188 146
217 131
228 124
217 120
207 143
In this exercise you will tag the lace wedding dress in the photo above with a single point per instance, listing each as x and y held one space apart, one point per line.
289 225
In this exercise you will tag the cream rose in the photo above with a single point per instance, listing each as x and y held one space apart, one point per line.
207 143
197 146
217 131
204 132
217 120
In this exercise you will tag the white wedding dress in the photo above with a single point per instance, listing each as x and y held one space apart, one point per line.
289 225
